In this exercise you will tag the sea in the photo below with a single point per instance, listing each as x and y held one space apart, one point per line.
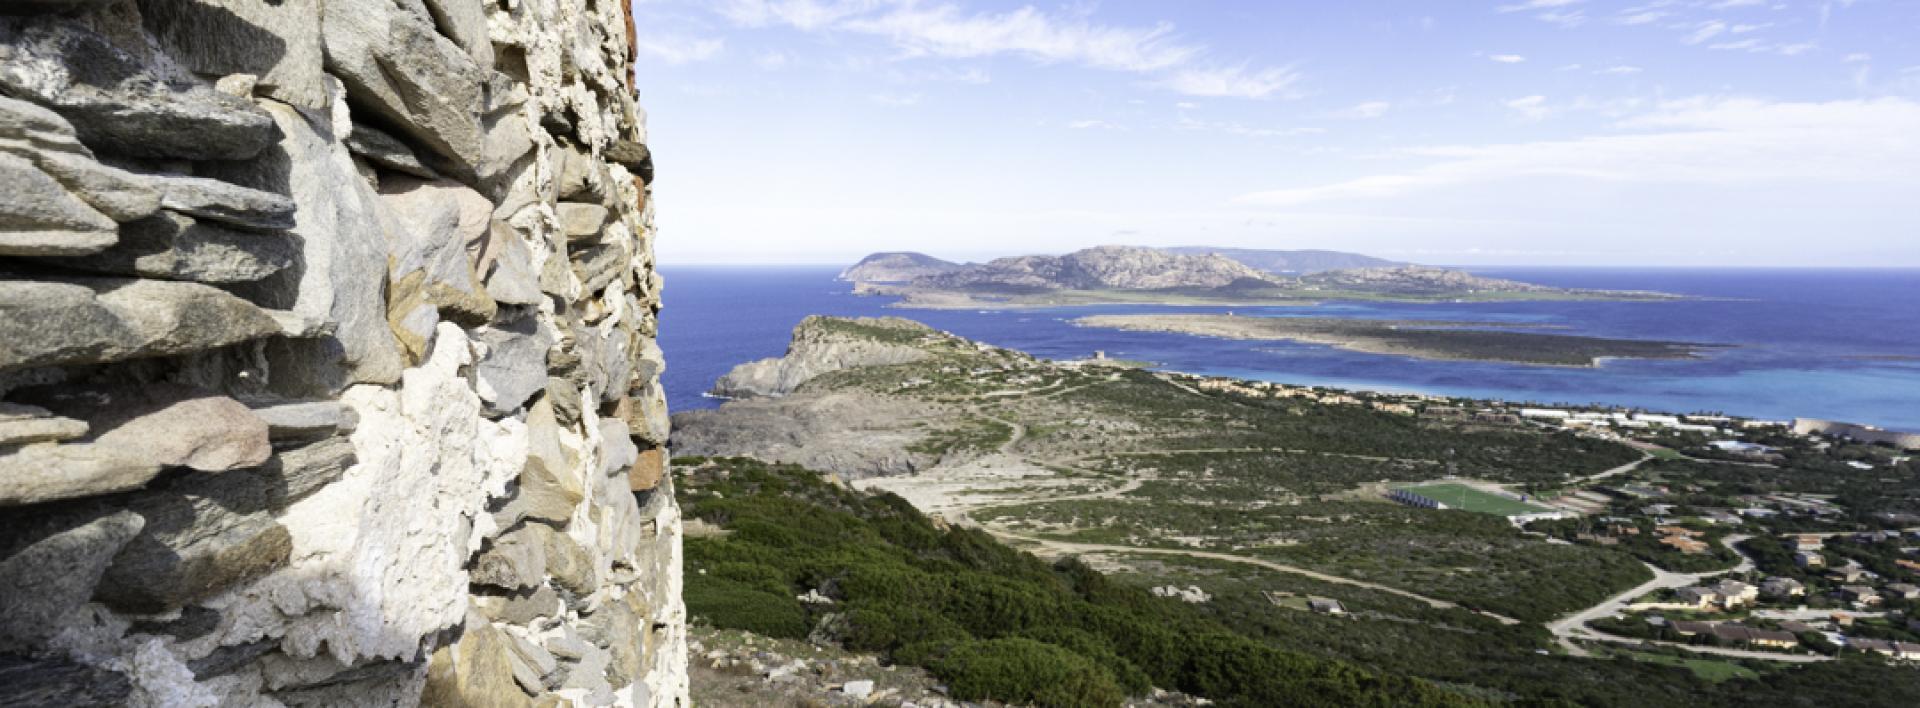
1833 344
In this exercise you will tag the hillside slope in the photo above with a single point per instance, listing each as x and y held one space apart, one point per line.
1100 268
896 267
1290 262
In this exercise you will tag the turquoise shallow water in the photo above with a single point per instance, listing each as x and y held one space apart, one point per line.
1840 344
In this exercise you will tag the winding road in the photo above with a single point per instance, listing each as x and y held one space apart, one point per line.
1574 626
1566 629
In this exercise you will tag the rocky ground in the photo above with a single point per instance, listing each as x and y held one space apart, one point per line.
854 433
735 668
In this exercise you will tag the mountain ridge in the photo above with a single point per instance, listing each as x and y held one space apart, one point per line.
1291 261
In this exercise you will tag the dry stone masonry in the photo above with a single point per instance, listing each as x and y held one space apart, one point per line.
327 361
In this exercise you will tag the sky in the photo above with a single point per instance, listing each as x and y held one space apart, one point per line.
1507 132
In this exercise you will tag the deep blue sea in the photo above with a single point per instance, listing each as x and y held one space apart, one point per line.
1837 344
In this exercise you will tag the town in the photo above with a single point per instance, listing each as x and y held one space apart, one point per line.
1762 534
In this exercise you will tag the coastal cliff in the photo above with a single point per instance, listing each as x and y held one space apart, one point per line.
327 361
821 345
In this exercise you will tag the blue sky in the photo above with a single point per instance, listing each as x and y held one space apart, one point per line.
1551 132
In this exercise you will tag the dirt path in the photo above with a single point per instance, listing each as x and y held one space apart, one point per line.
959 508
1623 469
963 514
1067 547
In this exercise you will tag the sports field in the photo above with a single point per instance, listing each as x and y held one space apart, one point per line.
1465 498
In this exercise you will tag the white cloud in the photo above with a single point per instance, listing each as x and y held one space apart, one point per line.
948 32
1757 46
942 74
1232 82
1508 58
1705 31
1858 58
1092 124
1643 17
1563 19
1531 107
1365 111
930 29
1705 140
1728 4
1537 5
772 60
1189 124
1621 70
896 100
802 14
675 49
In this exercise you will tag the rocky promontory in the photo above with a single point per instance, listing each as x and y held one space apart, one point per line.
821 345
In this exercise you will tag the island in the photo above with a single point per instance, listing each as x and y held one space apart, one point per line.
1421 339
1107 275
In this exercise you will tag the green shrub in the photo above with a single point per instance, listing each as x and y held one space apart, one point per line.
1026 671
1134 681
732 605
885 627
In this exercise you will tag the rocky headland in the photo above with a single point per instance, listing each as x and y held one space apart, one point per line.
822 345
327 361
851 429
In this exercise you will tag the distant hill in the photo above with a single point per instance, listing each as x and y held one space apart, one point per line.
1100 268
896 267
1416 280
1185 275
1300 262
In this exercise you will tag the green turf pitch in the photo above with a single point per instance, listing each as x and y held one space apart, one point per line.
1465 498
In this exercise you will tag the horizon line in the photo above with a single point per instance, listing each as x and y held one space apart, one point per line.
1614 266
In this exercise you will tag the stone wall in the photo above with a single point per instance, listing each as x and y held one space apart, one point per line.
327 362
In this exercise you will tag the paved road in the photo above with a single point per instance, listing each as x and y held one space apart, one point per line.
1574 626
1598 636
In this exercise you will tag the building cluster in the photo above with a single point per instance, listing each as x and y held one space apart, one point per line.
1706 425
1858 433
1684 540
1738 634
1729 595
1401 404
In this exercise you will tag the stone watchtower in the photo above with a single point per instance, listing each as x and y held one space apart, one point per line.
327 361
